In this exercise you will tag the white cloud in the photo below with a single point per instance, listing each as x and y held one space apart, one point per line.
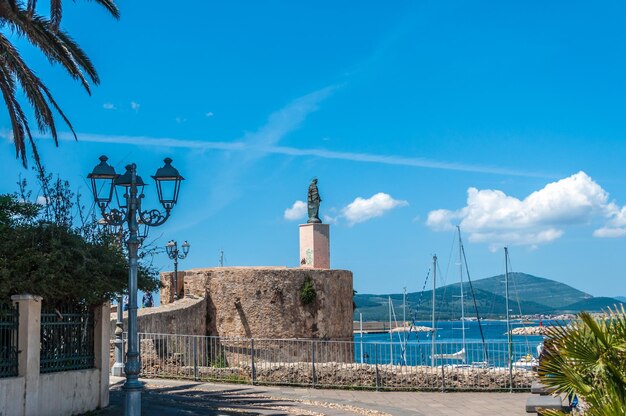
297 211
493 217
41 200
109 106
616 225
210 114
361 209
329 220
134 105
180 120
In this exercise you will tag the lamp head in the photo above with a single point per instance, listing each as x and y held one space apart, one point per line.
102 177
168 181
170 247
125 181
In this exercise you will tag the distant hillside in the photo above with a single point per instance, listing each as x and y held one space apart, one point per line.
536 295
621 298
593 304
532 288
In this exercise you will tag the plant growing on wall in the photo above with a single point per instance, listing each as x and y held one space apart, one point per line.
307 291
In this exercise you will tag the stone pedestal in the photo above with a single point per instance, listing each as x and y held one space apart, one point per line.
314 246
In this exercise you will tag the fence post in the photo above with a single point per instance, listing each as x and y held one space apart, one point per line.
510 366
376 362
29 342
443 374
195 358
313 362
313 377
252 361
102 316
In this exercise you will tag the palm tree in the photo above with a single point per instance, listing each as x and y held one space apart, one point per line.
45 34
588 358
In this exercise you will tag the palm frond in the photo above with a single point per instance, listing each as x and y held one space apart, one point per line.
587 358
56 12
20 16
19 123
56 45
110 6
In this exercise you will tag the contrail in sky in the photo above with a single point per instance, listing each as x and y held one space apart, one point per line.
293 151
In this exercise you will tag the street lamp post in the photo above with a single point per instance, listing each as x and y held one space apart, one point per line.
104 181
173 253
117 232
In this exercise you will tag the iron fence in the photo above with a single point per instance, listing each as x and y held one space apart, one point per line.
452 366
9 324
67 339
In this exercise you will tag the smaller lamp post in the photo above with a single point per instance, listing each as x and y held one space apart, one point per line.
173 253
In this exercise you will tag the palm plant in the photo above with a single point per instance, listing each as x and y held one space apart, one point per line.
588 358
21 19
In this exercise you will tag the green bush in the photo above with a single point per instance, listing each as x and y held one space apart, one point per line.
307 291
43 253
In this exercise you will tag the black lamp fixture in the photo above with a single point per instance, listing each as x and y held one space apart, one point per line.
102 178
168 181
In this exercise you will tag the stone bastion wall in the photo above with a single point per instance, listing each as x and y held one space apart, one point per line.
265 302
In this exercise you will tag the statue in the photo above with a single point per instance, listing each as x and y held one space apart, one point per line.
313 202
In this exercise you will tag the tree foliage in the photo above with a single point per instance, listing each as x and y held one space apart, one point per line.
22 19
587 358
43 253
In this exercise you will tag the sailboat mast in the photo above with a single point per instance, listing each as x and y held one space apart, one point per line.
361 332
462 293
390 335
404 314
433 332
508 319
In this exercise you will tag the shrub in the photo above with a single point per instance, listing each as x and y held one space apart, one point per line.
307 291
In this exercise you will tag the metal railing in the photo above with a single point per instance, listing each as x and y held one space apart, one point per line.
9 325
339 364
67 339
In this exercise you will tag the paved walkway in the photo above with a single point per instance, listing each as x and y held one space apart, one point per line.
176 397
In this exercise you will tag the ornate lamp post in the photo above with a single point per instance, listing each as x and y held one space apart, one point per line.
173 253
117 232
104 181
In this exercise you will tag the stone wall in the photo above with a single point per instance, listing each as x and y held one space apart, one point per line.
167 280
186 316
264 302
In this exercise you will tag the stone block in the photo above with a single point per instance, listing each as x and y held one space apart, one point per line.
315 246
534 403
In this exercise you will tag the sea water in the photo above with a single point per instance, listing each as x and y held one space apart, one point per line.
416 348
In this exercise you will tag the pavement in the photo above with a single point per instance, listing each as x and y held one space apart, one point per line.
181 397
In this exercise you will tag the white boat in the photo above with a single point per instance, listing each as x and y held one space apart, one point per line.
459 355
527 362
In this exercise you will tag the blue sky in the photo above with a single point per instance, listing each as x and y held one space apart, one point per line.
505 118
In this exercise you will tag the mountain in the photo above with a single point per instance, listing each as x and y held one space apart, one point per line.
529 295
593 304
532 288
621 298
